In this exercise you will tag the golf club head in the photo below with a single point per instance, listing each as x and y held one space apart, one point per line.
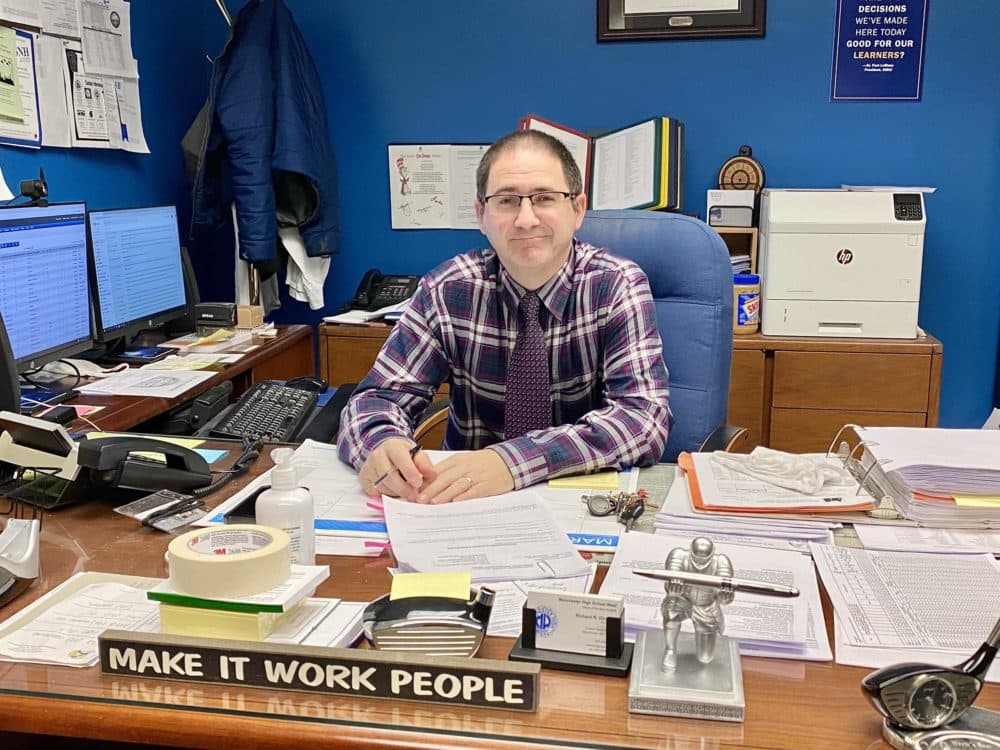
914 695
429 625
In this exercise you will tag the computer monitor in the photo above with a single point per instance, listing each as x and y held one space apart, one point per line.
138 277
9 388
44 297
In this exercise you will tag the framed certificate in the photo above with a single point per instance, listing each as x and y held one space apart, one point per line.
623 20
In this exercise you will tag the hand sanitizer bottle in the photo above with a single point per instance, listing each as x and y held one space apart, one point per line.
288 507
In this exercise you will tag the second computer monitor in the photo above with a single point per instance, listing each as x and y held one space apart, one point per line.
138 276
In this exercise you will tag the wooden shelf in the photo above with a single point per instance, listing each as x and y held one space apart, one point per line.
741 241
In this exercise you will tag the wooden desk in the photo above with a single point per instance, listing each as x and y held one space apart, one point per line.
789 705
287 355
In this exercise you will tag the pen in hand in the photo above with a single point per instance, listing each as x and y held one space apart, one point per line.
395 470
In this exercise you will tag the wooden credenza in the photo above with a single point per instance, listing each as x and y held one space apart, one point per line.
795 392
347 353
792 392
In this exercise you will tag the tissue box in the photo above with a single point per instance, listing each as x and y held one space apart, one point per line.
730 208
249 316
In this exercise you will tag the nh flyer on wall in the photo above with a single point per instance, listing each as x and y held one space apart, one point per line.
878 50
73 81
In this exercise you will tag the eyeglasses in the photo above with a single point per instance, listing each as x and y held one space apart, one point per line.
510 203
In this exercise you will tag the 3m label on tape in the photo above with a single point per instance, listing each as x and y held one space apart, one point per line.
229 561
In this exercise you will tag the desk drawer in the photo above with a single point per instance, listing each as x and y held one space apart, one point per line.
746 394
811 430
851 380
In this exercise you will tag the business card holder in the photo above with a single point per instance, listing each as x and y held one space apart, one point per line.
616 660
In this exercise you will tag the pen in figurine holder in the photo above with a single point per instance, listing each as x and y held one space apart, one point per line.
677 673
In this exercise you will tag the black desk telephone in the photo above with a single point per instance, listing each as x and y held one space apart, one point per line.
377 291
115 462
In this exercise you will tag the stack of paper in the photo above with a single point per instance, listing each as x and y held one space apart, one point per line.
909 606
245 618
740 263
716 487
677 514
508 537
361 317
330 623
937 477
764 626
938 461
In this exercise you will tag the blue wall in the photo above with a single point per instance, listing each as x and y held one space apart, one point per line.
443 71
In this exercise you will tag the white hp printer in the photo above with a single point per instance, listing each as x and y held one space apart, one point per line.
841 263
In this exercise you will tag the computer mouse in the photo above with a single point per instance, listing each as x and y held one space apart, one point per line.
307 383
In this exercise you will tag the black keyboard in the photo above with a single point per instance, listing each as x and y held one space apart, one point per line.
267 411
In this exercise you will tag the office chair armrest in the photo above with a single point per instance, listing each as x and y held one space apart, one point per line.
325 423
435 415
727 438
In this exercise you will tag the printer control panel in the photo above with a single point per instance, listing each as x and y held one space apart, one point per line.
907 206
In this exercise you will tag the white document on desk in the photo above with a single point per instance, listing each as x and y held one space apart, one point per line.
910 600
876 658
63 626
342 509
587 532
765 626
918 538
507 537
505 619
154 384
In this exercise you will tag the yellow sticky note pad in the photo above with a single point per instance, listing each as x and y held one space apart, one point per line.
977 501
602 480
184 442
451 585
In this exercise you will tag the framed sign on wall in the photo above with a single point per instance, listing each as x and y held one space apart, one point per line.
624 20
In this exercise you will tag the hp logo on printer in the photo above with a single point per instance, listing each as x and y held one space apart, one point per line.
844 256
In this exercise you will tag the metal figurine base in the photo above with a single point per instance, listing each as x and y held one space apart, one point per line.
692 690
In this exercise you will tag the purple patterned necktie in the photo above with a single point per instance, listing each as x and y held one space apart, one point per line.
529 405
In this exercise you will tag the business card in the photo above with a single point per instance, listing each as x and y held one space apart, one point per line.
573 623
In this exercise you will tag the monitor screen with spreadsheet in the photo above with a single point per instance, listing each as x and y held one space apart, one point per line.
138 276
44 296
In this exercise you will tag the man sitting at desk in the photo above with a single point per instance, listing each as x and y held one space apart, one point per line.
550 346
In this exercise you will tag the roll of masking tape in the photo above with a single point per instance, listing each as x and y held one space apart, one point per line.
229 561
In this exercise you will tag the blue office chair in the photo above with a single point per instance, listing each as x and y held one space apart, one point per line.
692 283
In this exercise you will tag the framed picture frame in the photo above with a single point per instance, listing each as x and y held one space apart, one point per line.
627 20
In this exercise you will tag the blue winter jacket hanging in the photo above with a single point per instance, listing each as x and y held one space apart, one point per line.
262 139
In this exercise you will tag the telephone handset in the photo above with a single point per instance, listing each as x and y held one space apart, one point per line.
118 462
377 291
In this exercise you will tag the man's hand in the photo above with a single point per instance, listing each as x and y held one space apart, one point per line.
401 474
465 476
